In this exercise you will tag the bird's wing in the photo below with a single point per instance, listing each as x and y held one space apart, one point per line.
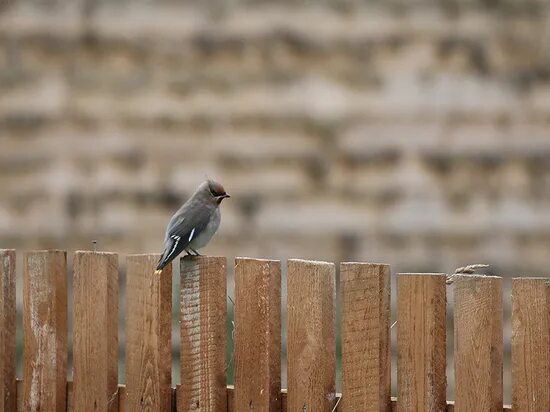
182 229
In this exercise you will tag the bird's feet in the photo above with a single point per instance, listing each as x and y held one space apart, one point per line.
192 252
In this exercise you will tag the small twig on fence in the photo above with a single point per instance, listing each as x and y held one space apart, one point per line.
232 335
112 398
233 348
393 324
232 301
337 402
470 269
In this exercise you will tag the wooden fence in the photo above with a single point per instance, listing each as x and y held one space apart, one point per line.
365 333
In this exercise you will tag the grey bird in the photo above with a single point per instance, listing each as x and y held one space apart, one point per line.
194 224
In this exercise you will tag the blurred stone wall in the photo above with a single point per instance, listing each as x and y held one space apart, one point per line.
395 131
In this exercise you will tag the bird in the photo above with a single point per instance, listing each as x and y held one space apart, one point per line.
194 224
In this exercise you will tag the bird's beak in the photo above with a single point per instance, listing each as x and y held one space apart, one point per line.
225 196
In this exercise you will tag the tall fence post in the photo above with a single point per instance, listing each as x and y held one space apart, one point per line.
478 343
45 331
95 352
203 334
366 374
311 340
7 330
531 344
257 335
421 342
148 335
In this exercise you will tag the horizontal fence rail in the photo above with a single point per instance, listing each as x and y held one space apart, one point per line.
365 311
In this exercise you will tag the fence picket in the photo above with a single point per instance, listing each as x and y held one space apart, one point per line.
311 340
257 334
531 344
203 334
45 331
478 343
366 374
95 353
421 342
7 330
148 335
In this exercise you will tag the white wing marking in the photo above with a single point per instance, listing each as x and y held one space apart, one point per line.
177 239
191 235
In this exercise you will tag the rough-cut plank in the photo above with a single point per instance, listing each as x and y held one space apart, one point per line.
122 399
203 334
257 335
230 393
311 344
230 398
421 342
7 330
148 333
531 344
95 331
123 406
366 373
478 343
70 398
451 407
45 331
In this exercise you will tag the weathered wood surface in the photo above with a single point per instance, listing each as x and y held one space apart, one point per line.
311 339
421 342
148 335
7 330
203 334
478 343
45 331
366 374
257 338
531 344
95 352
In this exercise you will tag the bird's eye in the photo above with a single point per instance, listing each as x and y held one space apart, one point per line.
216 190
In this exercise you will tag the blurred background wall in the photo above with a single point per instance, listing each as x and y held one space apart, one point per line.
410 132
396 131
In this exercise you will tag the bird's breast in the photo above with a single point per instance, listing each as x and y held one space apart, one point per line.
204 237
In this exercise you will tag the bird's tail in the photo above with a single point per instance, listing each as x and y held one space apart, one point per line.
171 250
162 263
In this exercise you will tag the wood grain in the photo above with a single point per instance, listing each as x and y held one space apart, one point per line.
95 353
45 331
478 343
531 344
257 335
311 343
148 335
230 393
366 373
421 342
7 330
393 402
203 334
